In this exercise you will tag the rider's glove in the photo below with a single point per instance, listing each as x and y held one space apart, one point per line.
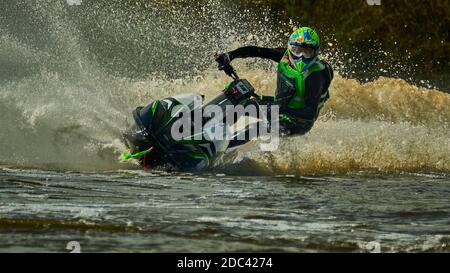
223 60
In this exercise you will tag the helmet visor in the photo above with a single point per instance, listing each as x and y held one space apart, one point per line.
298 51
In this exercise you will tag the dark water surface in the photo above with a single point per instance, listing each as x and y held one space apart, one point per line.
172 212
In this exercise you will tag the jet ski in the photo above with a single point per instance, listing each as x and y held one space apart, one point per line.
151 139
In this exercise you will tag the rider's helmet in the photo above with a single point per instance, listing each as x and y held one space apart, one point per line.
304 43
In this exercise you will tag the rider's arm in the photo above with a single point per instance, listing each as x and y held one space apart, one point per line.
274 54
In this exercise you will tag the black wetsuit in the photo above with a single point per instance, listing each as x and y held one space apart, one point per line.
315 86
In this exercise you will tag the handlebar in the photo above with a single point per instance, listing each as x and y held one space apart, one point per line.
229 70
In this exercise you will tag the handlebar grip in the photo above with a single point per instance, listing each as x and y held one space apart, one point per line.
229 70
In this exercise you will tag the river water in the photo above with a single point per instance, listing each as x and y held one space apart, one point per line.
374 171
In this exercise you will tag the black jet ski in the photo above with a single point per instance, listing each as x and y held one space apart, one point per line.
150 139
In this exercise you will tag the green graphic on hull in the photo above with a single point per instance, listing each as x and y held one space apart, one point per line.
126 156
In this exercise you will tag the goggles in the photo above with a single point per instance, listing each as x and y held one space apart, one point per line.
299 51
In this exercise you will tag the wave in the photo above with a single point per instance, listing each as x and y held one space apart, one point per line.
61 108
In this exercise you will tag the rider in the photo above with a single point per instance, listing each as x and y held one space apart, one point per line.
303 79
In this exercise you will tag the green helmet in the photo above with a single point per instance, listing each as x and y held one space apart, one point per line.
303 37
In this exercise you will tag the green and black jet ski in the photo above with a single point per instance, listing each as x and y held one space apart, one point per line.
150 139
